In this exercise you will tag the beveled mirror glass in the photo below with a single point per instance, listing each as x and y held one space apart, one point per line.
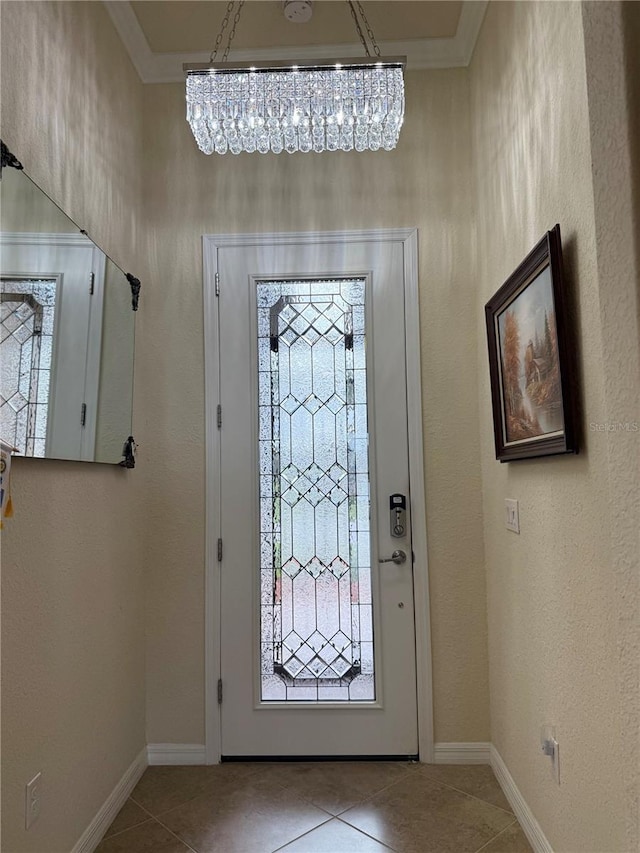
66 333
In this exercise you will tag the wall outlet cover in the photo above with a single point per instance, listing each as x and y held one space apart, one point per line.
32 800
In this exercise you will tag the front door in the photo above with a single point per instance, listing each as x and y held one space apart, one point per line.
317 641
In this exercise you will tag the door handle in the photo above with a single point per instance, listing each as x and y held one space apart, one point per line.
398 557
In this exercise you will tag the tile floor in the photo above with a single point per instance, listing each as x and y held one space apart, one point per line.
324 807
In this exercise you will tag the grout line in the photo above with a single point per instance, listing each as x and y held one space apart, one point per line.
467 794
126 829
353 805
180 805
372 837
304 834
133 826
142 807
149 819
181 840
491 840
375 794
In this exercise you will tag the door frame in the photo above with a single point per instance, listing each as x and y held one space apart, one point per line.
211 243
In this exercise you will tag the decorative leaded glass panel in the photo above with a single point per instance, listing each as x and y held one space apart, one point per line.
316 608
27 312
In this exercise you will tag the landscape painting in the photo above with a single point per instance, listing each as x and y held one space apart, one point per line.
531 358
528 339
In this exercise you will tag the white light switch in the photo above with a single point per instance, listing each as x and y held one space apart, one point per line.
512 516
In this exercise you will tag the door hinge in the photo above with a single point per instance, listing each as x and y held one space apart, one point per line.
219 550
92 283
217 284
219 416
83 414
219 691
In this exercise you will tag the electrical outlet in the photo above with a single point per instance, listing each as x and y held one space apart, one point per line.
32 800
512 515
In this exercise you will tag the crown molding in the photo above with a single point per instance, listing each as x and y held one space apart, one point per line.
152 67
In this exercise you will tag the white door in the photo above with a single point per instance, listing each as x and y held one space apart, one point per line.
59 276
317 641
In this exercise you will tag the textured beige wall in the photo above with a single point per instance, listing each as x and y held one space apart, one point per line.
24 207
561 608
72 623
612 36
424 183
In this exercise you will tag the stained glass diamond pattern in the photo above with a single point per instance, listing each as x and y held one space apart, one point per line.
27 310
312 403
290 473
17 402
308 378
313 496
338 567
335 403
311 315
290 404
292 568
292 642
337 473
317 641
337 496
314 473
315 567
341 666
291 496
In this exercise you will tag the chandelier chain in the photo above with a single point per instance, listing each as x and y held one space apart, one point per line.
232 32
358 28
223 27
376 49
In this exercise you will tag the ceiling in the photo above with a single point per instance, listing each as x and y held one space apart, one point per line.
161 35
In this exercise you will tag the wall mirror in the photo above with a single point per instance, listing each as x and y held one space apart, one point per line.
66 333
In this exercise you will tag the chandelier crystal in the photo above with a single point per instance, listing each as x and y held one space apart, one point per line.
328 106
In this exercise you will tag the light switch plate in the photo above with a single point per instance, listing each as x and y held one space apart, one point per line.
512 515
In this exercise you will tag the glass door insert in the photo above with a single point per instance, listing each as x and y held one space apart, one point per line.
315 566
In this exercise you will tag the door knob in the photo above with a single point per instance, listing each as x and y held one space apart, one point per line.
398 557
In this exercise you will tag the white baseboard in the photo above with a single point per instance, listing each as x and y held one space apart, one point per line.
462 753
529 824
92 836
176 753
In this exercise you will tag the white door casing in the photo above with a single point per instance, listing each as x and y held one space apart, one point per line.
380 256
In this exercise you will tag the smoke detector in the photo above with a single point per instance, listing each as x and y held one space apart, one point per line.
297 11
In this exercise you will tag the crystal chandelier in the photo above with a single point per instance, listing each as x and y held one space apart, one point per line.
325 105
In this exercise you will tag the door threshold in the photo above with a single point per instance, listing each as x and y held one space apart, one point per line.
273 758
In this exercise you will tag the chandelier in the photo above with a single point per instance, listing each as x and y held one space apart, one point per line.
322 105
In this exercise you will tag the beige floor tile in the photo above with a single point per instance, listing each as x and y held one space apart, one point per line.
336 786
335 837
250 815
148 837
164 788
475 779
512 840
418 815
129 815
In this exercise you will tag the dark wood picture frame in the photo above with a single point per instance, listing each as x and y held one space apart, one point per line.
531 358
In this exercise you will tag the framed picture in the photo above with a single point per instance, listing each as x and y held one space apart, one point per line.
531 358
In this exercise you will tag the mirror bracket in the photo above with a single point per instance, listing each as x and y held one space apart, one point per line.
135 290
129 453
9 159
